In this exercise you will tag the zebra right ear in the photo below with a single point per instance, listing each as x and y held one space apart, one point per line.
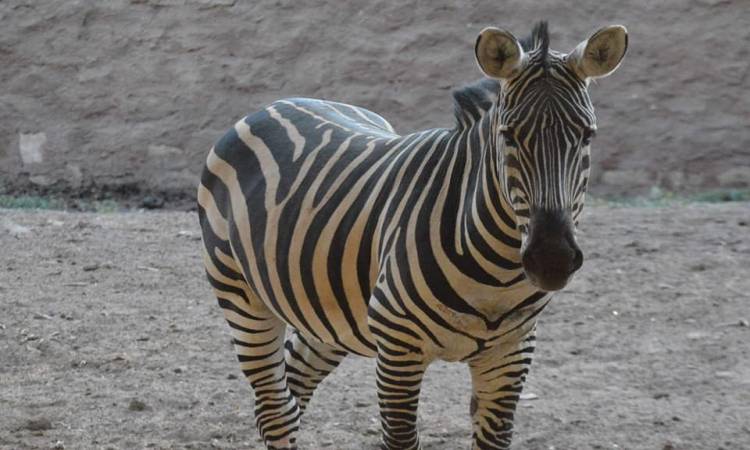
498 53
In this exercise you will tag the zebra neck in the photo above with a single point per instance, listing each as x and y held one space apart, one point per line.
485 226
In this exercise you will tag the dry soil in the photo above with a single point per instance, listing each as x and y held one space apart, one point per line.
110 338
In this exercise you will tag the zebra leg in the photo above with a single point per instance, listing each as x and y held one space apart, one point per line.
497 380
399 378
258 337
307 364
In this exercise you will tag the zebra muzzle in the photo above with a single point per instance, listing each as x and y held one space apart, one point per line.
551 255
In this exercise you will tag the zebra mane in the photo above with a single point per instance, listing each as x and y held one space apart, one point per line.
538 40
470 102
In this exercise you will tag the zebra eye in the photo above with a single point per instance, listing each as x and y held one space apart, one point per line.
588 133
508 137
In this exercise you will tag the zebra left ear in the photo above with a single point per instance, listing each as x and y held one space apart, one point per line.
601 54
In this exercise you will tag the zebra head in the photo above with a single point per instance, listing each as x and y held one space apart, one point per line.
542 129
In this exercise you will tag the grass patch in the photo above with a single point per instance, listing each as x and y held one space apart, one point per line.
730 195
659 198
105 206
56 203
656 198
30 202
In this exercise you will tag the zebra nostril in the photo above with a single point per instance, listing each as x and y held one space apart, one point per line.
529 262
577 260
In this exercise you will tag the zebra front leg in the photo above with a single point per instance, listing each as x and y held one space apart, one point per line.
307 363
399 378
497 380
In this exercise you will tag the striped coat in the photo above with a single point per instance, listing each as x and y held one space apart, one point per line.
317 216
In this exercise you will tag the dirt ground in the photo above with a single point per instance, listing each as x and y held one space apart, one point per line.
110 338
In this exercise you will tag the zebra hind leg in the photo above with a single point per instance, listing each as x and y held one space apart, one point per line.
307 363
258 337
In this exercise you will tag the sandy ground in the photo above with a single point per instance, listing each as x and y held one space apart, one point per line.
110 338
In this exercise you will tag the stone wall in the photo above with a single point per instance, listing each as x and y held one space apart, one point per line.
133 93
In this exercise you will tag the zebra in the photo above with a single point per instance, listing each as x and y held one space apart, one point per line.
444 244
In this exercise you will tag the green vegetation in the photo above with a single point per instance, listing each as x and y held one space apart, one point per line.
730 195
30 202
658 197
57 203
105 206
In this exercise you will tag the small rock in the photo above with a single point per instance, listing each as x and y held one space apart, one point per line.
30 337
137 405
15 229
734 176
38 424
661 395
31 147
152 202
180 369
361 404
189 234
231 376
695 335
723 374
528 396
40 316
90 267
58 446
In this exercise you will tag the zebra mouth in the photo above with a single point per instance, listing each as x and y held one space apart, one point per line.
549 284
549 253
550 268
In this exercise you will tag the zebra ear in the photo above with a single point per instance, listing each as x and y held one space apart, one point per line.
601 54
498 53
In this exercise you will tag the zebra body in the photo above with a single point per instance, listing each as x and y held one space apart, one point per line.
316 215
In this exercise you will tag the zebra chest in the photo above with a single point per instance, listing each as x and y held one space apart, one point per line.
471 335
456 330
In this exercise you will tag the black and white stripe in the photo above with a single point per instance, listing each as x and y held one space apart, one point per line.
318 216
